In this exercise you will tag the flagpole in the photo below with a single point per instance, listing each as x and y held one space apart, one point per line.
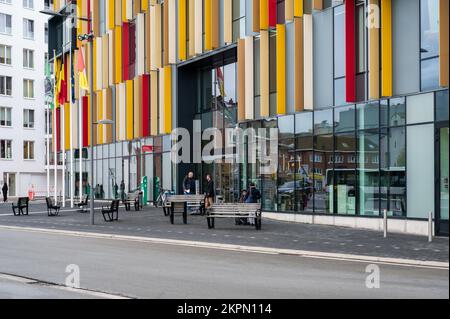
63 129
72 193
80 141
55 132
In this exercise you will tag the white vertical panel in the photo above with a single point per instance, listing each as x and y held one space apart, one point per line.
111 58
172 32
140 43
308 61
122 111
129 9
198 26
249 79
161 100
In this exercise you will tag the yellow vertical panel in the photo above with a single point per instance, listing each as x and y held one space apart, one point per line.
95 18
182 50
100 117
443 43
129 110
111 14
94 61
249 79
208 25
107 114
123 111
154 103
137 107
136 7
167 100
228 22
144 5
111 57
289 10
75 77
298 8
264 14
264 65
215 24
105 60
374 59
281 69
124 10
191 28
298 65
241 79
386 47
67 126
118 51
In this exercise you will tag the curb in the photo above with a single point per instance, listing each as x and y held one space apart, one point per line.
242 248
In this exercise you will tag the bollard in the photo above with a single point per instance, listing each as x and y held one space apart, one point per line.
430 227
385 223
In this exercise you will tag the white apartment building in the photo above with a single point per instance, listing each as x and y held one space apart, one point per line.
23 47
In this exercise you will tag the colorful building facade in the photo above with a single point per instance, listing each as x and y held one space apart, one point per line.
358 91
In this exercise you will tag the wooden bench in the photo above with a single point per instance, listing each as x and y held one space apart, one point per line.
52 209
83 204
134 198
111 213
21 206
180 203
236 211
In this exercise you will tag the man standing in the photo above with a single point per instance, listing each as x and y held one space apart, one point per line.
189 184
5 192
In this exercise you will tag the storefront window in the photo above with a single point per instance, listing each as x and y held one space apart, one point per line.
286 164
368 115
344 119
397 112
322 160
442 106
345 161
368 173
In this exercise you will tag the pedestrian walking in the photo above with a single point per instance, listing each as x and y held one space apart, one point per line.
122 190
253 194
5 192
210 191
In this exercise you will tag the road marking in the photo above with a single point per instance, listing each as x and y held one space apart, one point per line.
82 291
242 248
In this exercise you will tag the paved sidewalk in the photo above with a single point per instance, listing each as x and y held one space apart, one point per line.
274 234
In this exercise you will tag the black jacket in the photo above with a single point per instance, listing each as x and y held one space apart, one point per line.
189 184
5 189
209 190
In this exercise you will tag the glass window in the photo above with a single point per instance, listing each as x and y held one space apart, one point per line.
28 89
344 194
286 127
421 166
286 174
28 118
339 92
368 115
344 119
6 85
5 116
420 108
28 29
442 105
28 58
304 123
368 173
323 122
430 74
5 54
5 23
28 150
339 42
384 113
5 149
429 33
397 112
322 167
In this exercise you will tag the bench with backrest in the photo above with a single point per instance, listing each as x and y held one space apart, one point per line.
134 198
83 204
237 211
111 213
52 209
21 206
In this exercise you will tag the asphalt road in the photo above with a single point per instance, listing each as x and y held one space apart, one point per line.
144 270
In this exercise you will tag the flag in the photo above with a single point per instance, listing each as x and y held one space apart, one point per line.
62 86
81 69
221 81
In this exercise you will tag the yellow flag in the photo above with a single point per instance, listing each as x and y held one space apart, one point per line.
83 81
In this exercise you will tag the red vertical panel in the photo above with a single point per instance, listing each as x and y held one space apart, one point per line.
273 13
350 47
131 50
126 51
85 121
58 129
146 105
67 78
89 24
